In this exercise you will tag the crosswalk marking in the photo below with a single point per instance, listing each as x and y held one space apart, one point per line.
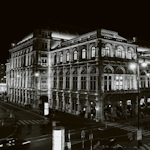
22 122
25 122
31 122
128 128
148 148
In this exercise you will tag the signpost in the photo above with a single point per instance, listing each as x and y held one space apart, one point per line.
83 136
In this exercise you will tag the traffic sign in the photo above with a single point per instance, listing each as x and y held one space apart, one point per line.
82 134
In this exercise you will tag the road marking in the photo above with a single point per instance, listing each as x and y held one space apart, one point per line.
22 122
26 121
42 139
18 123
31 121
147 146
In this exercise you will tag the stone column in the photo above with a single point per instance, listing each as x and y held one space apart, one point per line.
78 105
57 101
70 103
64 103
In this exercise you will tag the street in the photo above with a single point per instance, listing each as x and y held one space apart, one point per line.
41 138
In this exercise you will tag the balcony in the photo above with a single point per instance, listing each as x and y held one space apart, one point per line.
120 91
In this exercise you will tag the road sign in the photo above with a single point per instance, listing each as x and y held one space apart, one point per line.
82 134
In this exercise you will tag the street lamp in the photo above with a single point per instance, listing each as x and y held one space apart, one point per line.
133 66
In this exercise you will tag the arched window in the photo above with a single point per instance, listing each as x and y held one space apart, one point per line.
75 55
67 56
129 54
83 54
119 52
107 51
93 52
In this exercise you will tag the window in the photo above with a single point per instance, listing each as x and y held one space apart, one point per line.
75 81
55 59
93 83
119 82
44 61
93 52
60 82
107 82
67 56
55 82
119 52
129 55
75 55
67 82
107 51
83 83
61 58
83 54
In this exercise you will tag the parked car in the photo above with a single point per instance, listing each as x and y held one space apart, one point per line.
13 143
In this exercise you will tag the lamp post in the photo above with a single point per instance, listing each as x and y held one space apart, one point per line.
133 66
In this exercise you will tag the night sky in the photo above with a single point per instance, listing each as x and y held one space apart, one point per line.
20 18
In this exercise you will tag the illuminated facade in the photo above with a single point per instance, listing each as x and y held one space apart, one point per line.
2 78
28 65
88 75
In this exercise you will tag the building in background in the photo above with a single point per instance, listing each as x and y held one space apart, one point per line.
2 79
88 75
27 68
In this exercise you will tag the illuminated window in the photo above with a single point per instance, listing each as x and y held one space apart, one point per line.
75 55
61 58
119 52
67 56
129 54
93 52
107 51
119 82
83 54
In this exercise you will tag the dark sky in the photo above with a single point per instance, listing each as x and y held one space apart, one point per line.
20 18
